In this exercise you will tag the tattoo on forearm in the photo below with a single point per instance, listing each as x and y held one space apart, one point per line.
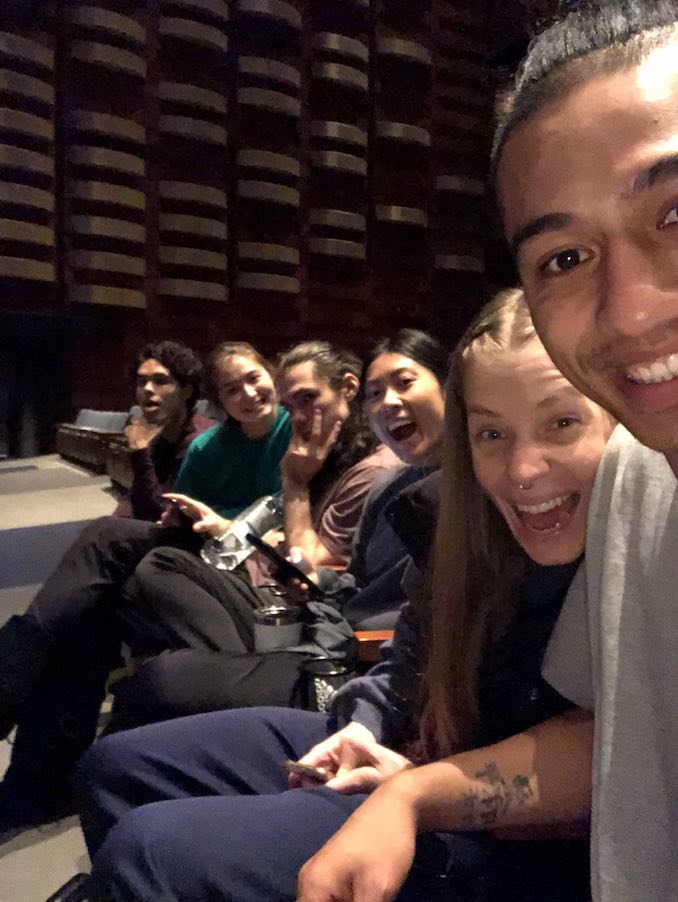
483 808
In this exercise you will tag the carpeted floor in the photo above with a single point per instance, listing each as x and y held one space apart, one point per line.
28 555
45 503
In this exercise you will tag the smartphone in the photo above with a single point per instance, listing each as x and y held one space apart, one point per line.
318 774
285 572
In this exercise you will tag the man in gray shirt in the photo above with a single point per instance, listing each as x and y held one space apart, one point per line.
586 169
587 166
614 652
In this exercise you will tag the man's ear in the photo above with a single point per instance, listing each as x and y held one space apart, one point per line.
185 392
350 385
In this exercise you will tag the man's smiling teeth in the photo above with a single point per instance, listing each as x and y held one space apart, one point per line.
543 507
660 371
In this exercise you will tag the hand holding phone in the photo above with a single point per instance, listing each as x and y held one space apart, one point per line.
318 774
285 571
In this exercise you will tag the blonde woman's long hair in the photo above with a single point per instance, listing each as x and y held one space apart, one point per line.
477 562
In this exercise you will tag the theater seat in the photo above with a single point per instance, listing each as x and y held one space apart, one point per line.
369 643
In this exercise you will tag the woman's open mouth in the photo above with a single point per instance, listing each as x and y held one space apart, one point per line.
549 515
402 430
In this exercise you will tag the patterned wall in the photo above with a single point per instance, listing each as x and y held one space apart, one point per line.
263 169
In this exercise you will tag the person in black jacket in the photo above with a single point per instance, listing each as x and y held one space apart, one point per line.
168 377
201 807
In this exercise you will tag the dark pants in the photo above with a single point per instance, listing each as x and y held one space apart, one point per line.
55 658
198 625
199 809
176 600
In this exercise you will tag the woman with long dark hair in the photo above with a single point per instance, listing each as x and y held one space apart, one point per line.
520 455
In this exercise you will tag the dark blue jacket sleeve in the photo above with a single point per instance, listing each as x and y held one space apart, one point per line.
385 700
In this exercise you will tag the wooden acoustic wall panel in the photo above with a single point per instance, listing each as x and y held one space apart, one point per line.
337 219
402 162
273 101
105 187
191 193
194 33
193 237
461 100
330 43
342 76
192 158
403 133
213 9
193 225
339 130
191 128
269 282
192 96
106 227
404 51
319 165
106 203
268 160
269 70
108 22
338 133
272 10
335 161
338 247
106 56
272 253
27 237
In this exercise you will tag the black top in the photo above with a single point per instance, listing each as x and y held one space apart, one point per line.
512 693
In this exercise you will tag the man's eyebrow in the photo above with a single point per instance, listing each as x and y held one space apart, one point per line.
551 222
661 170
302 391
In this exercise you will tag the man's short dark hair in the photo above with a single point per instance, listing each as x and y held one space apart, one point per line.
182 362
589 38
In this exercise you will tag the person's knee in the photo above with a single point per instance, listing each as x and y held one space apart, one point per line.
150 854
108 532
161 560
131 861
100 530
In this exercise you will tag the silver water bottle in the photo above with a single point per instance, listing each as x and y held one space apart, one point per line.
231 549
276 626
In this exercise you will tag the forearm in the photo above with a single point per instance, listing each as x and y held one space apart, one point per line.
299 529
145 492
540 777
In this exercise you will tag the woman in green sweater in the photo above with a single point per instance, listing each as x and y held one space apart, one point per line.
229 466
